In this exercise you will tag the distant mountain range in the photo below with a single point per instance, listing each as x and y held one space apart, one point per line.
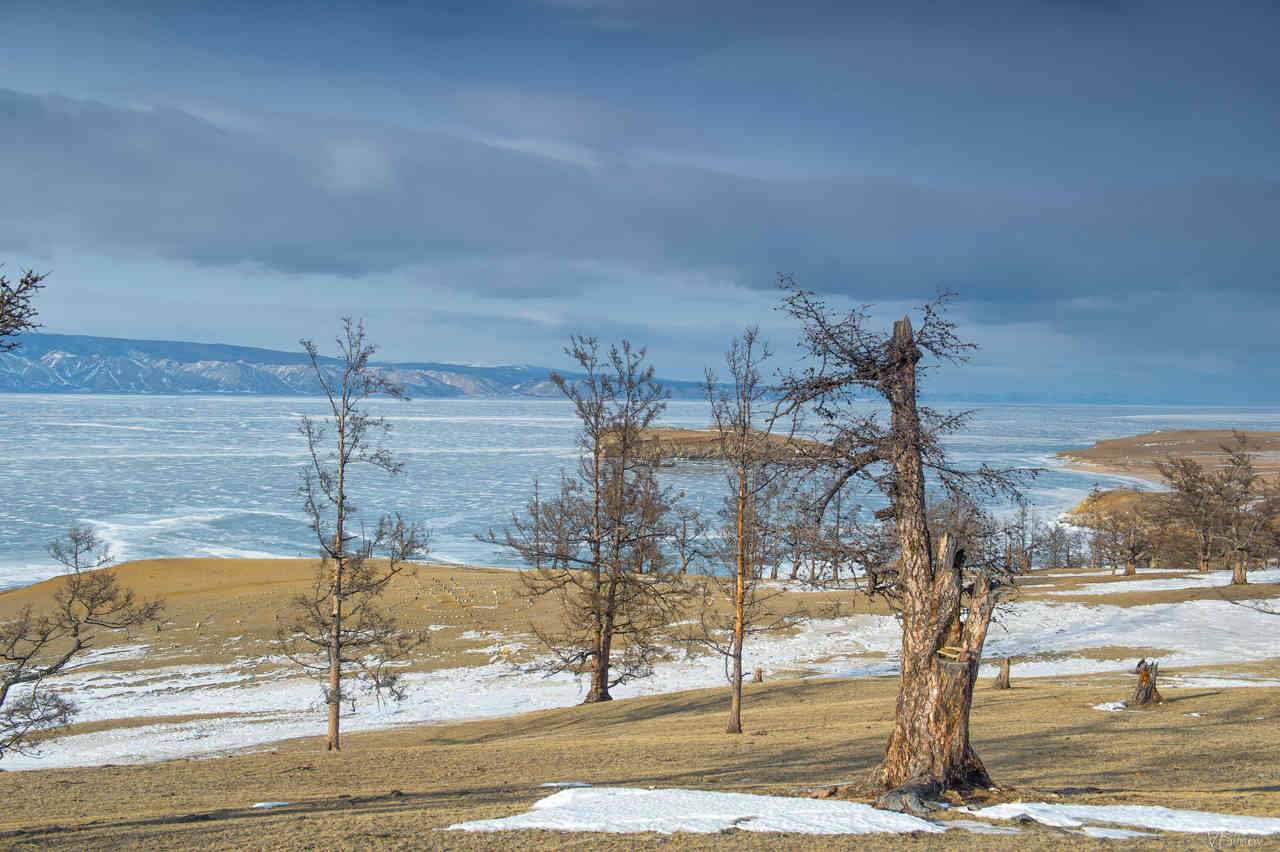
73 363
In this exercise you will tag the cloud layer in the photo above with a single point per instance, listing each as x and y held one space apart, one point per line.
1106 225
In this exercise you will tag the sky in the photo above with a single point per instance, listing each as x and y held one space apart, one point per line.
1099 182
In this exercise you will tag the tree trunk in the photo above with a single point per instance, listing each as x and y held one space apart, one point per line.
1130 569
739 593
599 690
1002 679
335 662
604 648
1145 692
1240 573
335 612
930 738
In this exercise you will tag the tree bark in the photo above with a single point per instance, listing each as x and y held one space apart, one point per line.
739 592
335 635
1130 569
930 738
604 647
1240 573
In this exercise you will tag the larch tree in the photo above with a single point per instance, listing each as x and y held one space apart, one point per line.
1191 503
338 627
945 615
750 542
17 313
35 647
594 548
1241 495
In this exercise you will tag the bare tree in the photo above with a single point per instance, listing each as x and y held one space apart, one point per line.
339 627
1191 503
588 546
34 648
689 538
752 479
1241 496
1123 528
944 620
17 314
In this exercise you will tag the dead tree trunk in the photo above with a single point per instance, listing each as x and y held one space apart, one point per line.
1002 679
930 738
1145 692
1240 573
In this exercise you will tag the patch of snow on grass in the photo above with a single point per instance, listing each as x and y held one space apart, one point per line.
1142 816
974 826
1194 581
1111 706
265 805
624 810
266 700
565 784
1112 833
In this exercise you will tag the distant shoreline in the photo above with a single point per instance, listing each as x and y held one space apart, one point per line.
1137 455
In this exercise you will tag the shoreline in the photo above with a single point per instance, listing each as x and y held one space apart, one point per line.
1135 455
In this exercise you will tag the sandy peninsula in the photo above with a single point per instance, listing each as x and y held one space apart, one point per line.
1137 455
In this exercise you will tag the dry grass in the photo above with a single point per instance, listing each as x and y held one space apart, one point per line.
399 788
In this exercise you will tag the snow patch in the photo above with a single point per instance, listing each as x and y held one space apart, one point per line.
1142 816
624 810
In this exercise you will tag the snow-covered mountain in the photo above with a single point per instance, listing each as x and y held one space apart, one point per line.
68 363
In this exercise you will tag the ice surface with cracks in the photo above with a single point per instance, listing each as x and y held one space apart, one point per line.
1142 816
625 810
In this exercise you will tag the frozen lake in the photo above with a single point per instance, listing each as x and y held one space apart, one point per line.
218 476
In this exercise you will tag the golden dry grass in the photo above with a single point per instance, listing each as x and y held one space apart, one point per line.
400 788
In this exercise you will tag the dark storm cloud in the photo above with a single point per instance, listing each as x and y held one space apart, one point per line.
325 197
1098 180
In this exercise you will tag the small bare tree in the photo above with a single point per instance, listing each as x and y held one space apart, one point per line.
752 480
944 615
339 627
17 313
589 546
34 648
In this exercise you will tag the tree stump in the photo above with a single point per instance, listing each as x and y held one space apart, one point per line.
759 675
1240 574
1002 679
1146 693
